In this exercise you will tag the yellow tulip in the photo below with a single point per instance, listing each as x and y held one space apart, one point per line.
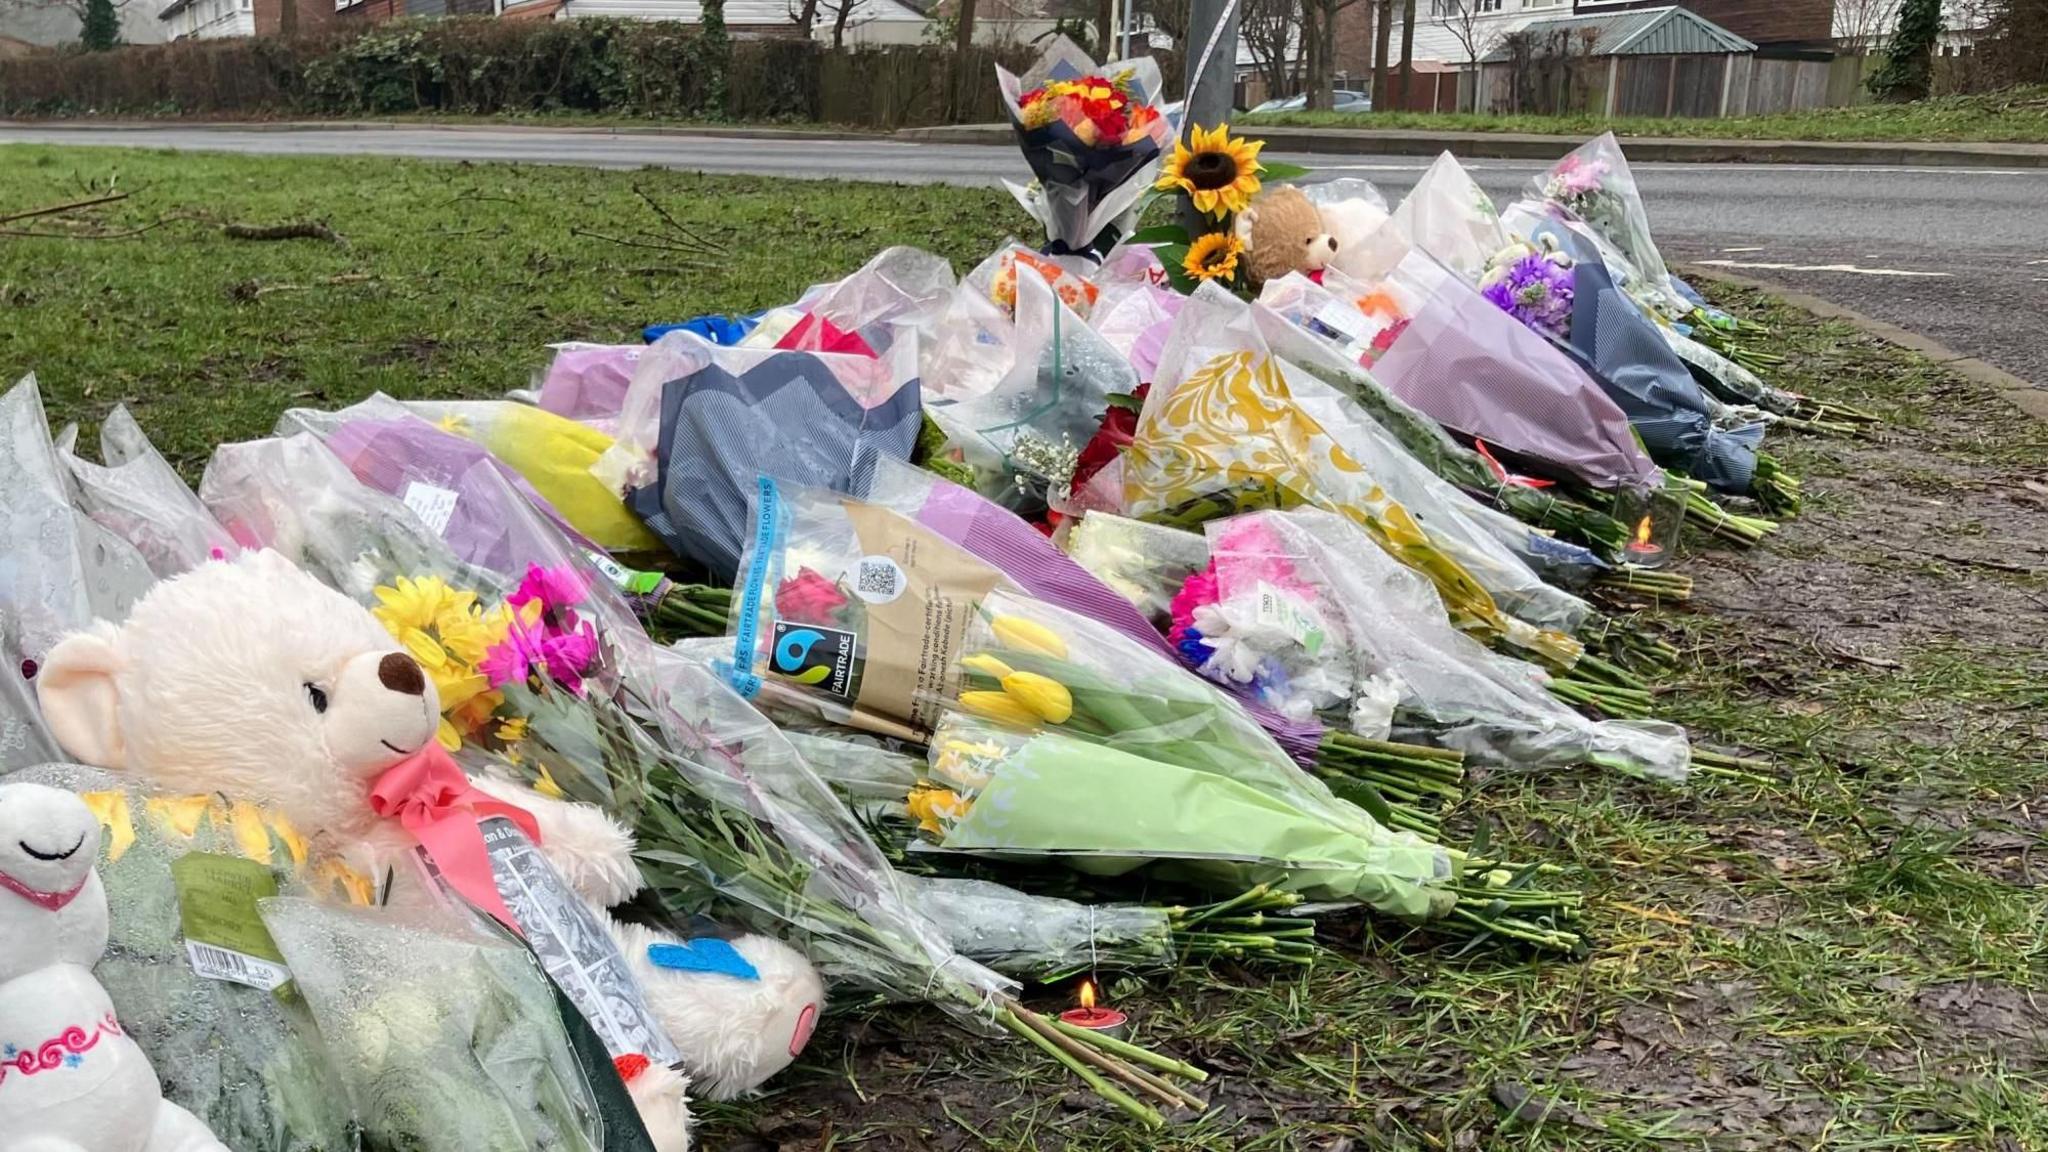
1046 697
1028 636
999 706
987 665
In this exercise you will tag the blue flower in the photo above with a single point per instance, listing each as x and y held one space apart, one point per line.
1193 651
73 1060
8 1051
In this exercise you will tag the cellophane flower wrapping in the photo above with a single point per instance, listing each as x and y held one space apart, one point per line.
1093 137
968 347
656 737
139 497
1455 692
1440 346
588 382
1144 563
445 1039
555 455
1448 215
1034 564
249 1063
1593 181
1041 936
1223 431
1023 438
1426 443
1071 740
59 571
852 606
480 506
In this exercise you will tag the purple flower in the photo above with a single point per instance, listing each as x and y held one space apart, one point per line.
555 588
1537 291
563 653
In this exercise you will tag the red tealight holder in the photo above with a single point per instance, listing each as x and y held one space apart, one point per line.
1107 1021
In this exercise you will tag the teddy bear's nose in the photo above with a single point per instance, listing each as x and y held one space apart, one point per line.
401 673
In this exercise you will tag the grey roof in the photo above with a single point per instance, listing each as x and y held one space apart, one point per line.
1647 32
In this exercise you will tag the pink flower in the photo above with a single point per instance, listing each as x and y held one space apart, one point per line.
1199 591
809 597
1254 553
555 588
563 653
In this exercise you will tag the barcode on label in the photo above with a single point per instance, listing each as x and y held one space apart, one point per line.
878 579
213 963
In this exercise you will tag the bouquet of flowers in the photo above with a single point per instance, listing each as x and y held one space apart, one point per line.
1093 137
1070 743
1222 432
1594 183
1449 688
139 497
1532 285
59 570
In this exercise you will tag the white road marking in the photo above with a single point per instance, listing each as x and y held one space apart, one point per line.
1732 250
1826 268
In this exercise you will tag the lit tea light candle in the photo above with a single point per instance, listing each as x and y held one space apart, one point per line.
1642 551
1107 1021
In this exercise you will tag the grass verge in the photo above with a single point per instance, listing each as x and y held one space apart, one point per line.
2018 115
1848 959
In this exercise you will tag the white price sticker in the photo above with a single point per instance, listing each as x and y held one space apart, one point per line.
211 963
1277 609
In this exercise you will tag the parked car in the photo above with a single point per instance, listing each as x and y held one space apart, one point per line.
1344 100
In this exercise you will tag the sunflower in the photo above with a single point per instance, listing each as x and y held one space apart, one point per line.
1219 174
419 603
1213 257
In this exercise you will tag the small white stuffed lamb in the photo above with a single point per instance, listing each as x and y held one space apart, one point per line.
70 1079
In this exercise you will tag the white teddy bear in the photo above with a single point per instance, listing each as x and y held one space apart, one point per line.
252 679
70 1079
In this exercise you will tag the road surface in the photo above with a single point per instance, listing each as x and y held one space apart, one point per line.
1958 255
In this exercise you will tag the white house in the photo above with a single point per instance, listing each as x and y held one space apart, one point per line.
207 19
869 22
1443 27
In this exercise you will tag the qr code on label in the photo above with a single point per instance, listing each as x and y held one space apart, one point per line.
879 580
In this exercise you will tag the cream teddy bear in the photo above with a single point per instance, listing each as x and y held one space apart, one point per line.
252 679
70 1079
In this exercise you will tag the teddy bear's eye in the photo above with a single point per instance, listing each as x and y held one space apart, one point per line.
318 696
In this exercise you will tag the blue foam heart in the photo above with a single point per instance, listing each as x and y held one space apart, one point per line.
706 954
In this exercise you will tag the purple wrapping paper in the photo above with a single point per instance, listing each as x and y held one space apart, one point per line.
1478 371
393 455
589 381
1000 538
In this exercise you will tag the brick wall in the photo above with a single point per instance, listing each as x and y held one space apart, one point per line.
1354 44
312 15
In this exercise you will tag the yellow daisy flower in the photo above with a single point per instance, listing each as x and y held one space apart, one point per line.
418 603
1220 174
1213 257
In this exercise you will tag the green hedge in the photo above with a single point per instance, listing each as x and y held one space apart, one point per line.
486 66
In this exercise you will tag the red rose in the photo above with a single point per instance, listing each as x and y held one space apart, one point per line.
809 598
1119 427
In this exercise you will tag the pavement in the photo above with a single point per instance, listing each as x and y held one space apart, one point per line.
1958 255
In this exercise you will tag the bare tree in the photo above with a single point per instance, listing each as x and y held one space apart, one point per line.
1319 49
77 8
1170 17
1383 27
1461 19
1270 32
1861 26
845 14
1407 82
